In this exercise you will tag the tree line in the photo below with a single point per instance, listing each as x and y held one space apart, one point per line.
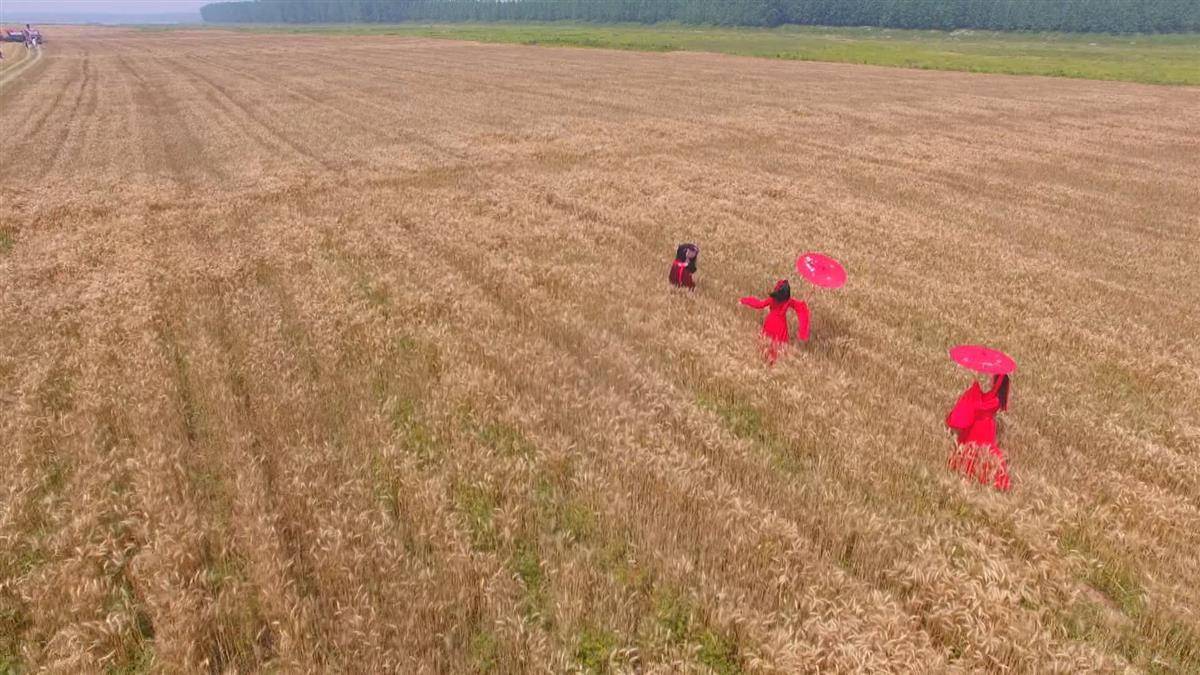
1094 16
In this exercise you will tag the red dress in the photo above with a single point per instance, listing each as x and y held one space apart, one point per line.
680 276
775 326
974 418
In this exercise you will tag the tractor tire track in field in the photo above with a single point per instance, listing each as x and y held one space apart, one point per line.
36 121
223 134
225 100
531 98
487 568
168 138
361 123
32 124
64 128
81 118
13 73
241 119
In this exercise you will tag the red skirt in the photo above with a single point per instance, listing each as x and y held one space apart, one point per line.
982 462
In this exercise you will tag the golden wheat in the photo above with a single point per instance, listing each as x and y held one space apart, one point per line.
357 354
14 54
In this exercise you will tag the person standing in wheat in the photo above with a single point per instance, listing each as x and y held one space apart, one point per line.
684 266
775 326
973 418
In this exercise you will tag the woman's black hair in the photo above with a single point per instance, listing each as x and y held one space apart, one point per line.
681 256
1001 384
783 293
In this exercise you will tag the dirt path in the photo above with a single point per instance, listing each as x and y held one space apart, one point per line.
26 64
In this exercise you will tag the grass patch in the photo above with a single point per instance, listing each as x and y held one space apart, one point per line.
742 419
211 489
140 659
527 565
506 440
14 621
135 652
594 650
719 652
411 433
408 369
222 571
10 664
22 559
618 559
562 514
1118 616
528 568
56 392
674 614
1153 59
749 424
56 475
386 483
478 506
239 638
575 520
679 619
1177 646
484 650
375 295
1155 643
1107 571
6 241
189 410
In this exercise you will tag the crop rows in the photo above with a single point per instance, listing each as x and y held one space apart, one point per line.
358 353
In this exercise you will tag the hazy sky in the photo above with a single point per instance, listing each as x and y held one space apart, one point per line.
12 10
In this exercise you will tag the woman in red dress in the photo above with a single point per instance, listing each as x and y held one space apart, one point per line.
684 266
775 327
974 421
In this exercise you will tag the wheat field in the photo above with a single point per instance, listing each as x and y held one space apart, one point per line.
357 355
14 56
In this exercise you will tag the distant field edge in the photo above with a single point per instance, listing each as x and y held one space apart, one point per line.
1169 59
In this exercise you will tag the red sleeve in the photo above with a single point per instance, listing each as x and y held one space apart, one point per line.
963 413
801 310
751 301
686 276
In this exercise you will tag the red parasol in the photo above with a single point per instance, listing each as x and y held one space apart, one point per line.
983 359
821 270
